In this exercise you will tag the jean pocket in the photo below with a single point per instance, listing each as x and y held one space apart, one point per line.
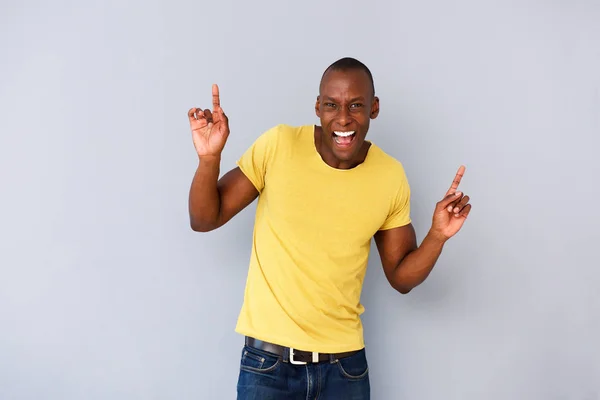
354 367
254 360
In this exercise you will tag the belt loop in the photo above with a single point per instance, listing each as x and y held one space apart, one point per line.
286 355
332 359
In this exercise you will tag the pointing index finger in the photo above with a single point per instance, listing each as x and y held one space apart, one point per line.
215 96
457 178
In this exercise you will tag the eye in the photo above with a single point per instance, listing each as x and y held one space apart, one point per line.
355 105
330 105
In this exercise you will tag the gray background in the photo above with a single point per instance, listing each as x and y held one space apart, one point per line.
105 292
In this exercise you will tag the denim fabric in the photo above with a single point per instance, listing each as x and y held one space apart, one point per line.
265 376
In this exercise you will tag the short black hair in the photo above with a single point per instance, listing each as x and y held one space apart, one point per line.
349 64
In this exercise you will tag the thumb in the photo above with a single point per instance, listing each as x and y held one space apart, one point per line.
449 199
223 120
222 115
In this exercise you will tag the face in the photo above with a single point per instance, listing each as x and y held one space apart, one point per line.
345 107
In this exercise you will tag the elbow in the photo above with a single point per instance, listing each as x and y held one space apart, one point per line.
402 288
400 285
198 226
205 223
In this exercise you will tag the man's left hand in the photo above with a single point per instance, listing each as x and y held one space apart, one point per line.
452 211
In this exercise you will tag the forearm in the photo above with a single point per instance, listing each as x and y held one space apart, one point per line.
204 200
416 266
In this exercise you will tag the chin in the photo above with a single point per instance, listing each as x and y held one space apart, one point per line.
346 154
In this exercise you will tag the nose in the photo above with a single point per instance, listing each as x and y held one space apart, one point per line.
343 117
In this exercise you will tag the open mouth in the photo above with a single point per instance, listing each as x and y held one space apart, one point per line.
344 138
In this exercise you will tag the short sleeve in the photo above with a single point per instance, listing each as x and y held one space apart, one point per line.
399 214
254 163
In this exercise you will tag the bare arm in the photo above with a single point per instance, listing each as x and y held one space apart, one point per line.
405 265
214 201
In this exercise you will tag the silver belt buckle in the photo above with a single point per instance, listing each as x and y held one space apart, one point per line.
315 358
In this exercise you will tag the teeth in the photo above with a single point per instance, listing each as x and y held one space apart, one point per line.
343 134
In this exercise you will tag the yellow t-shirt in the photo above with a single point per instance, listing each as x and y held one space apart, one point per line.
312 237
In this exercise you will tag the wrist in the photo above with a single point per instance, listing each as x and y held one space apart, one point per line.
210 158
435 238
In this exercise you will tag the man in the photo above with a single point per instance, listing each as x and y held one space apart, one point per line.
324 192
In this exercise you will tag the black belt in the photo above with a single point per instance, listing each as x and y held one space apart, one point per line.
296 356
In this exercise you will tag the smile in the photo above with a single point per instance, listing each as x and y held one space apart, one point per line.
344 138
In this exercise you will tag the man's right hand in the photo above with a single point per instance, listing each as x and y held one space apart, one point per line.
209 129
214 201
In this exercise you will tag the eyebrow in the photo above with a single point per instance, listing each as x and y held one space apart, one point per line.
360 98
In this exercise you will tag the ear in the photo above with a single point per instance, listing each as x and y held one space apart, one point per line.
374 108
318 107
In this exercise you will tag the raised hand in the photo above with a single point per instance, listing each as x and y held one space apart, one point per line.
209 129
452 211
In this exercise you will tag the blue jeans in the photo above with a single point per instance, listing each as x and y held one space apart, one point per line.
266 376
